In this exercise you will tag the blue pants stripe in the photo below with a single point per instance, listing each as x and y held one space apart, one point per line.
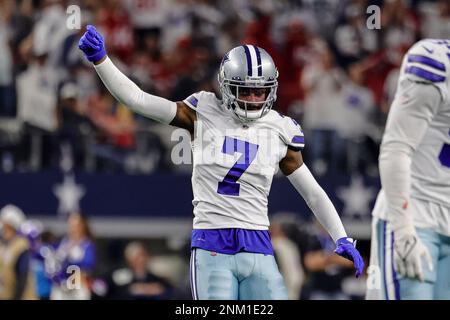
394 273
193 275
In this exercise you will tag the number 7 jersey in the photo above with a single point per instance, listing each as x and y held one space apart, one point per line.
234 163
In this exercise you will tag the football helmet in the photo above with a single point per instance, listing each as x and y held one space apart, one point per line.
243 68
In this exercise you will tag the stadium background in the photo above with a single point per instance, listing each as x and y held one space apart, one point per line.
67 146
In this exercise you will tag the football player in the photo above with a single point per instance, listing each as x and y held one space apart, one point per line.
410 250
232 255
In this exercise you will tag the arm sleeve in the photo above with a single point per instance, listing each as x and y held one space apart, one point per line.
130 95
318 201
411 112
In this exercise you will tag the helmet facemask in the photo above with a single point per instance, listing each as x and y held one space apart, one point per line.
231 94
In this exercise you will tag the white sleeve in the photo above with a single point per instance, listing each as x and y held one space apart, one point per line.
318 201
411 112
129 94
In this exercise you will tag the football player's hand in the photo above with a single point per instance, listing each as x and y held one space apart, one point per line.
408 254
92 44
346 247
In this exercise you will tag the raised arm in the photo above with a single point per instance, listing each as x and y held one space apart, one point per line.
127 92
320 204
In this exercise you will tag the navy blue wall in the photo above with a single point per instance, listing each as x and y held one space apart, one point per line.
159 195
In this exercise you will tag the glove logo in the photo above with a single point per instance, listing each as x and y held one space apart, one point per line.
408 246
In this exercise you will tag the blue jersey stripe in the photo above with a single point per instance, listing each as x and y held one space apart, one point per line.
249 61
426 61
298 139
193 101
424 74
258 59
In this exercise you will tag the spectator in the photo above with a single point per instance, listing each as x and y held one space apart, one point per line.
436 19
136 281
401 26
287 255
295 52
15 275
147 16
21 25
230 35
75 128
114 21
37 102
70 60
50 31
41 242
178 25
323 117
326 15
7 107
116 131
359 109
353 39
325 270
76 249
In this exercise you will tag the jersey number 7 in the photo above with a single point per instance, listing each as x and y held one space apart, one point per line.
229 186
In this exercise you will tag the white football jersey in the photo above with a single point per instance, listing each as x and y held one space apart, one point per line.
428 61
233 163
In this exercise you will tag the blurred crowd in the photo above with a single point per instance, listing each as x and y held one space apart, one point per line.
337 76
38 264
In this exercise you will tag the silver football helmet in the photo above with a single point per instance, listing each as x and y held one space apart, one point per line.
243 68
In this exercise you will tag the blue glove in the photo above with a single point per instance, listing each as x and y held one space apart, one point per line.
92 44
345 247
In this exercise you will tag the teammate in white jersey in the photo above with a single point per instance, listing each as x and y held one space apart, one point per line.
238 142
410 251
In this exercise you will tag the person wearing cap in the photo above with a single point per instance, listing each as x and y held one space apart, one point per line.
75 128
136 281
16 280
